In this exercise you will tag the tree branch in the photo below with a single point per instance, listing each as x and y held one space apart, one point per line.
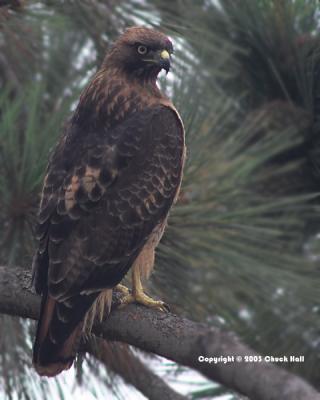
175 338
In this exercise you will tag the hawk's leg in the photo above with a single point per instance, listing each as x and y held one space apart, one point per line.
138 295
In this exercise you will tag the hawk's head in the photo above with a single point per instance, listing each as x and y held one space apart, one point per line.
141 52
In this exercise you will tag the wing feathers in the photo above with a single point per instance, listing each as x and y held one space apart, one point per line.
96 216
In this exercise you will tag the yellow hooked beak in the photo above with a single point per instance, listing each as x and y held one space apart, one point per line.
161 58
164 61
165 55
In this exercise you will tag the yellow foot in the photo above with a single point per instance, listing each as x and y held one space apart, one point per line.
145 300
122 289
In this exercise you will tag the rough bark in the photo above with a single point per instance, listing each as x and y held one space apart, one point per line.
175 338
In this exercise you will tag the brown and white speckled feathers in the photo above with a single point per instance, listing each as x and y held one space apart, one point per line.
111 180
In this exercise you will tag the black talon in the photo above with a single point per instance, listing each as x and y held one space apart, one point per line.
166 307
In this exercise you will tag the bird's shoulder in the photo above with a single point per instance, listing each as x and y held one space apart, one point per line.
156 120
87 160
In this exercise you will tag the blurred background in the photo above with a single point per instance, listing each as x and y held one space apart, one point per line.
242 248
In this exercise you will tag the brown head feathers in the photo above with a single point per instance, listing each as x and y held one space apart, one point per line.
140 52
146 36
126 81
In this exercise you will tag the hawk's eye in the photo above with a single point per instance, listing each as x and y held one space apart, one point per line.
142 49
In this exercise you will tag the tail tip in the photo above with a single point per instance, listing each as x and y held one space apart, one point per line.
53 369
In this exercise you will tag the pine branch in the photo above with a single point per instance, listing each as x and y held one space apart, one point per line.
175 338
118 358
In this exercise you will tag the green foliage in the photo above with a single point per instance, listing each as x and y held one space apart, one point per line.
245 80
27 132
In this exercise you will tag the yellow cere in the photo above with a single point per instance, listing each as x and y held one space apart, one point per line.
165 55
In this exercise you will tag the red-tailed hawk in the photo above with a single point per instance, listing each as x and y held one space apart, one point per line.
110 184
